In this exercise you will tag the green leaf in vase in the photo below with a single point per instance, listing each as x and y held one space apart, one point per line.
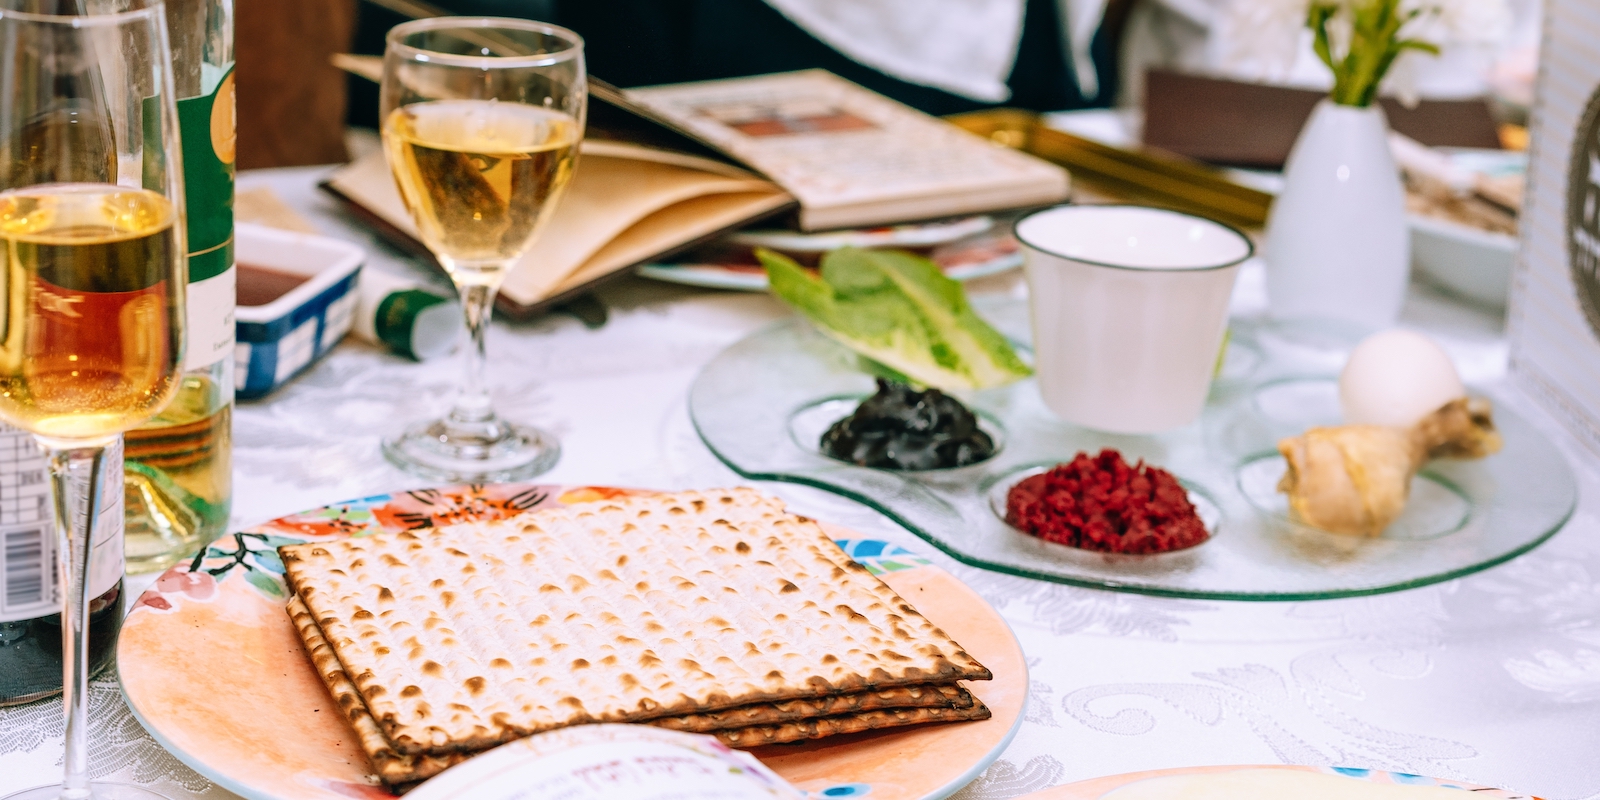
899 310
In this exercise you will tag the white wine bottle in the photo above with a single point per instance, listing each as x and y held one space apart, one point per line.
179 468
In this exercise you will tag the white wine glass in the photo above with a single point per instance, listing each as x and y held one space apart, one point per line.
92 260
481 124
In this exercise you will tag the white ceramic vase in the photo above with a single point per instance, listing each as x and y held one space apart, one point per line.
1337 245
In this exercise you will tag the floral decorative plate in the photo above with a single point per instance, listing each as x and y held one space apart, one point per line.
1097 788
212 667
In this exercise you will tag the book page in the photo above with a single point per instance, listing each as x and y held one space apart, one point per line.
688 221
608 196
850 155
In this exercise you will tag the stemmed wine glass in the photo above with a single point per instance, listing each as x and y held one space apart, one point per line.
481 124
93 269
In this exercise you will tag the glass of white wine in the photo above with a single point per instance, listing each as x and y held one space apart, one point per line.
481 124
93 269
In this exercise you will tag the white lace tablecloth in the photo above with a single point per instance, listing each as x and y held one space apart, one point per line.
1493 679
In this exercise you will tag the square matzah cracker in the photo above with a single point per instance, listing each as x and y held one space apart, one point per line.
752 725
613 611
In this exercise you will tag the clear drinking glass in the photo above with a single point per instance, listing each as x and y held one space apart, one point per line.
93 269
481 124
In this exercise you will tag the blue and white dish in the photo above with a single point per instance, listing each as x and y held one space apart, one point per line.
277 341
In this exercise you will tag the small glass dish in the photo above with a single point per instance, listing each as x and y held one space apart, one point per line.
999 489
1435 508
762 404
1148 566
809 422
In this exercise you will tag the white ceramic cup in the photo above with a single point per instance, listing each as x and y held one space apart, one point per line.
1129 309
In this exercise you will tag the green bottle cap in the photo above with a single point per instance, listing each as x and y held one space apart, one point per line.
418 324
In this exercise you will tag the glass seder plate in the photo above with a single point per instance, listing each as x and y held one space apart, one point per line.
763 403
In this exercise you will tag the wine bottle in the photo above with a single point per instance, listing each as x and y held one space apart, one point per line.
179 468
30 619
30 609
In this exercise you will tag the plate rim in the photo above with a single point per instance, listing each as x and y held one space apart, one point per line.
186 758
1058 791
228 783
712 276
1141 589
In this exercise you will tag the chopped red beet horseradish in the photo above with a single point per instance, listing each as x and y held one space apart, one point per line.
1100 503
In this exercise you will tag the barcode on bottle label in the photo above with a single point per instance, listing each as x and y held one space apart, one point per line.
27 537
27 586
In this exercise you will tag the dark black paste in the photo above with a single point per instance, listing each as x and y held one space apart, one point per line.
902 428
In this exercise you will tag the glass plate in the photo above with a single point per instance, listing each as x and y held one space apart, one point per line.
761 404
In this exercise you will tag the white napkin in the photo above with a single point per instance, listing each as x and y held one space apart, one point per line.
1082 20
965 47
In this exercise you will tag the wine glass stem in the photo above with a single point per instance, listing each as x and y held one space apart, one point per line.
75 477
472 405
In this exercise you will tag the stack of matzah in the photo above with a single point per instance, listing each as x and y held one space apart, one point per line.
713 612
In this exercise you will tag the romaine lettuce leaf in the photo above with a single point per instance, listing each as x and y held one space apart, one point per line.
898 309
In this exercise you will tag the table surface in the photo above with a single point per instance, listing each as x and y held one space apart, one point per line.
1493 679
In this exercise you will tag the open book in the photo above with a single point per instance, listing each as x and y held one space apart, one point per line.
851 156
626 204
666 167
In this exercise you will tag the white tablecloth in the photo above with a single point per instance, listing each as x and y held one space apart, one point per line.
1493 679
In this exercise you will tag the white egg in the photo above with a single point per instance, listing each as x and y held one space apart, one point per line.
1397 377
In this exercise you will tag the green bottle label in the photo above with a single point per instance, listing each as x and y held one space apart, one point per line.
206 126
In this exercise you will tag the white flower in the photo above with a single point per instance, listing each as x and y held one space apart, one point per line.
1264 36
1450 24
1474 22
1260 38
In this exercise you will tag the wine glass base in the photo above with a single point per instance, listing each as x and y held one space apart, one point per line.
428 450
98 791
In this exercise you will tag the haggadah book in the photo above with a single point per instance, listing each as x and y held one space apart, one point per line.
1554 317
851 156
